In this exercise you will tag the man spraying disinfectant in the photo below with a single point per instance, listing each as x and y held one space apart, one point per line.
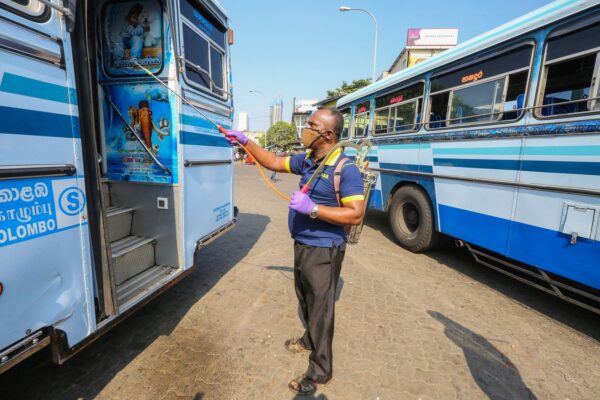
317 220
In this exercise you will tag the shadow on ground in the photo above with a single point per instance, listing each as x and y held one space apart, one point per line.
313 397
461 261
493 372
86 374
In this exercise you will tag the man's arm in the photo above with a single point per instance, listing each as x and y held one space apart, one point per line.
352 200
350 213
264 157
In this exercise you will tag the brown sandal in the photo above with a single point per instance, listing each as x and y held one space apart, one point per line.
304 387
294 346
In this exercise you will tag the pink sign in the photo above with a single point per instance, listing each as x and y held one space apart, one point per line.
431 37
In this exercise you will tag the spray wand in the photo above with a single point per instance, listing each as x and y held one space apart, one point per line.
222 130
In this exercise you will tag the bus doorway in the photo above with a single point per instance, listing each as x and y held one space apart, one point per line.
160 197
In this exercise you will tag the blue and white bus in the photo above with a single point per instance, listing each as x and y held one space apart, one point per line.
111 177
497 143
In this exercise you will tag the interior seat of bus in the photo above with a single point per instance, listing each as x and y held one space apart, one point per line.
137 145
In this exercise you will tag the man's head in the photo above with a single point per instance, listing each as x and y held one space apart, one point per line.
323 128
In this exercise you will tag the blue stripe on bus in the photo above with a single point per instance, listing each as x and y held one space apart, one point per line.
528 151
201 139
541 130
19 121
21 85
376 200
407 167
530 244
199 122
557 167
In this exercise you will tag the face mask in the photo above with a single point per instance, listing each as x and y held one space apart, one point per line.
309 137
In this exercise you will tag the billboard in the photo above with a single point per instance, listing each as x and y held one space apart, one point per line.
431 37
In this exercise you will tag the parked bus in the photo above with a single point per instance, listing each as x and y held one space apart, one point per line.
497 143
110 179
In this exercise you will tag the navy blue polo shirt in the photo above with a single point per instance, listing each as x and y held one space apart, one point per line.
314 232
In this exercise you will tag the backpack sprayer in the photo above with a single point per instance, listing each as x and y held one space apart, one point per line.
362 147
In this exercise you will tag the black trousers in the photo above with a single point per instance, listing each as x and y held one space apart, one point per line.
316 274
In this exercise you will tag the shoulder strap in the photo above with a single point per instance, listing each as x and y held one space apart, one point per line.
337 178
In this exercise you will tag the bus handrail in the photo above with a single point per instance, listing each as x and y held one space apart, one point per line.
36 171
136 135
199 163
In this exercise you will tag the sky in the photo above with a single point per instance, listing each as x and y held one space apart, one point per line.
287 48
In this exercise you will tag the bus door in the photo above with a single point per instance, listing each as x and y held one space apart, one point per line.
45 270
139 146
207 155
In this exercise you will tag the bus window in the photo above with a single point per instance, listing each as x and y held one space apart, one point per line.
32 9
571 71
491 90
346 129
478 103
398 111
362 117
204 39
438 110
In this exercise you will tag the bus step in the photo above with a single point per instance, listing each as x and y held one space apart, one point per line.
131 255
119 222
145 281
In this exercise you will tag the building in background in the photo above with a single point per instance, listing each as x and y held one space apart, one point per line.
301 110
329 102
421 45
276 112
254 136
243 122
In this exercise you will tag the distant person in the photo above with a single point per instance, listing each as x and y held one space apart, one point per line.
316 222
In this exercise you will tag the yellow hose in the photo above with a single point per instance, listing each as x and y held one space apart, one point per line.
267 180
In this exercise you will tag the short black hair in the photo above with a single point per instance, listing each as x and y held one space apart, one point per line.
338 120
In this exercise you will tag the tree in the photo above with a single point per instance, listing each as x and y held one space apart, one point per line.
282 136
347 88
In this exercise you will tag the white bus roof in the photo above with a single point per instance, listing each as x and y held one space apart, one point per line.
526 23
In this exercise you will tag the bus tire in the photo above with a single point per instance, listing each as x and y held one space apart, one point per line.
412 219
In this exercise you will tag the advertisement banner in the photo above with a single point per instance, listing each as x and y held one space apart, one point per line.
148 113
432 37
132 30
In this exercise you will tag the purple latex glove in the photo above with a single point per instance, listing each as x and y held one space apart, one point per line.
300 202
236 136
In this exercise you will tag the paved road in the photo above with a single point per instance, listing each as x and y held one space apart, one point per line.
435 326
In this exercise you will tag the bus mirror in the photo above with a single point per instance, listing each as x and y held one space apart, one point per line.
230 36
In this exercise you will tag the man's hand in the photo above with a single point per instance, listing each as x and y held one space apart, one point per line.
235 137
300 202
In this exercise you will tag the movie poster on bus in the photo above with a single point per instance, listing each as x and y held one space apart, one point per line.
139 133
132 34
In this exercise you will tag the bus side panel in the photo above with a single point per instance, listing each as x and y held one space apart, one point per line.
536 237
413 157
208 189
475 212
44 238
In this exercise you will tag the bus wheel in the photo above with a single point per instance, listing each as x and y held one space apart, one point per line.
412 220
